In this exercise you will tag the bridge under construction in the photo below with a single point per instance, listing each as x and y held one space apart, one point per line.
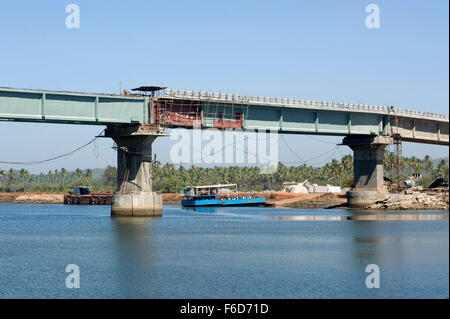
134 121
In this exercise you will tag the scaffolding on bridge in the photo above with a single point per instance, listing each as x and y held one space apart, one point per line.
190 113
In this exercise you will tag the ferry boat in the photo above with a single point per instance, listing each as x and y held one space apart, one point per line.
219 195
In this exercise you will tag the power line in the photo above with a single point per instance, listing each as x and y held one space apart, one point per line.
333 150
319 140
290 149
52 158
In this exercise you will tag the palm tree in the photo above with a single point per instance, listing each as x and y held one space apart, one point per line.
11 176
63 175
24 175
2 175
416 164
50 176
78 173
89 174
428 164
389 161
347 164
442 169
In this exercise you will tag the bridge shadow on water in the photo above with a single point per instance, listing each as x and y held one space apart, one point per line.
134 251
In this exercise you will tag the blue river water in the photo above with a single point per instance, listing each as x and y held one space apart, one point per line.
219 253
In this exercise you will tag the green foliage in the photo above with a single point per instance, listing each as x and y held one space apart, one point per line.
56 181
109 177
347 182
168 178
410 165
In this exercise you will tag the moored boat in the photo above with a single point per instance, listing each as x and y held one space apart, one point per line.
219 195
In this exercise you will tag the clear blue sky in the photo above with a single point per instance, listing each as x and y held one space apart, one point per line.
318 50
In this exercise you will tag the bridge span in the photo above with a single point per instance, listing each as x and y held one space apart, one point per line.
180 108
135 120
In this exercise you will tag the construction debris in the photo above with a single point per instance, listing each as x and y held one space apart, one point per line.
412 200
308 188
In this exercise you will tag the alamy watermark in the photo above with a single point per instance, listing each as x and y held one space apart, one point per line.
373 19
212 146
73 279
373 279
73 17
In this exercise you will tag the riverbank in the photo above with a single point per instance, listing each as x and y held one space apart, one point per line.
277 199
404 201
307 201
413 201
51 198
286 200
32 198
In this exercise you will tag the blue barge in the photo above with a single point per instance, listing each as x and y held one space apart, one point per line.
219 195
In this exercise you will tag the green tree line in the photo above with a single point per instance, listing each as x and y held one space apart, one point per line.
169 178
56 181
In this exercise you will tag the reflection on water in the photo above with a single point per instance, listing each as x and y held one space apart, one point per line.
210 209
366 217
224 252
134 254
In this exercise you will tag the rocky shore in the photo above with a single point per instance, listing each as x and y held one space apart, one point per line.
413 201
409 200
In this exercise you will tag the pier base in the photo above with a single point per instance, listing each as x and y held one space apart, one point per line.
367 169
136 204
134 196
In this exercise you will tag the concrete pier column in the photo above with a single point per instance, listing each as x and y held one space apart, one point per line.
367 168
134 196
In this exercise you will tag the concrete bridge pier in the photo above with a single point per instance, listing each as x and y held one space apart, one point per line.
367 168
134 196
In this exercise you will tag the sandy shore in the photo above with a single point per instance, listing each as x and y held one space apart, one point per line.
31 198
307 201
171 199
48 198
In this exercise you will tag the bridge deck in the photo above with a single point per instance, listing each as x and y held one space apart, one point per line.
177 108
71 107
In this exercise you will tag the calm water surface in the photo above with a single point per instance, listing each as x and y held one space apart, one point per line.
218 253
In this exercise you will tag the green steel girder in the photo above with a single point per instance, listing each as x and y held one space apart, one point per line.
68 107
109 109
298 120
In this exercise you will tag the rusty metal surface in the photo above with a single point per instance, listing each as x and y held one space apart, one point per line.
91 199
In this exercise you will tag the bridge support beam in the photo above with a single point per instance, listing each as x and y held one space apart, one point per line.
134 196
367 168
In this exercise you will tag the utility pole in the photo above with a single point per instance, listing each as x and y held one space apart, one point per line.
398 153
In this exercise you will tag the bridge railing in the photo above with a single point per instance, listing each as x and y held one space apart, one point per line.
246 99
